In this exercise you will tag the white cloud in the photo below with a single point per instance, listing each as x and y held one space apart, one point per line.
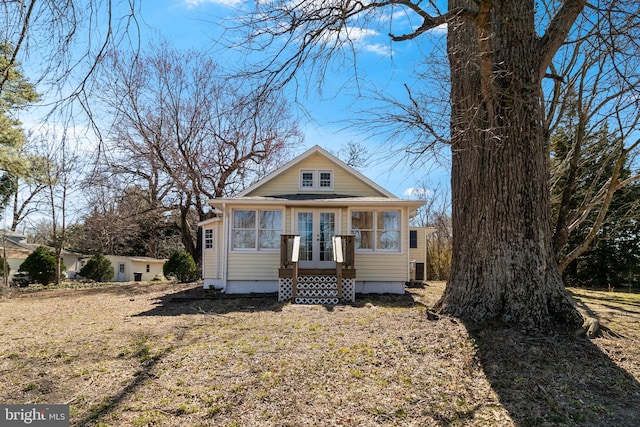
357 34
442 28
377 48
196 3
417 192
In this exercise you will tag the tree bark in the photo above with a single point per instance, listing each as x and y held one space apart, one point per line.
503 266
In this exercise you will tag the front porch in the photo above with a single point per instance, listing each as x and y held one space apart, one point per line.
317 285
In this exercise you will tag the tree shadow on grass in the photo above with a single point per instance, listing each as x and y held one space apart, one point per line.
556 379
91 289
197 300
405 300
601 297
147 359
204 301
111 403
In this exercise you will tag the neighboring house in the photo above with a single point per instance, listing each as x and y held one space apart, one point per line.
17 250
14 249
125 268
249 245
135 268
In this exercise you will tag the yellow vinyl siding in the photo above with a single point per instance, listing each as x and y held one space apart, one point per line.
209 260
381 267
418 254
253 266
289 181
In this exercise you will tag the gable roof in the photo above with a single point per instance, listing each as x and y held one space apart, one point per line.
316 149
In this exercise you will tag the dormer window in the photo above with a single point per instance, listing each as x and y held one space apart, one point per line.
316 180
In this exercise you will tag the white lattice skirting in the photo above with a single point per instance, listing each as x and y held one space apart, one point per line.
317 290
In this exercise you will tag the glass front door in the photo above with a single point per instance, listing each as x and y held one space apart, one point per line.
316 229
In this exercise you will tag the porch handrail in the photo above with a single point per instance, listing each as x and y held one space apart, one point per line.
339 259
295 251
290 258
347 247
337 249
286 243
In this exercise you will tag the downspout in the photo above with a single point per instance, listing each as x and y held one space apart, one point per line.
405 242
225 244
424 256
203 262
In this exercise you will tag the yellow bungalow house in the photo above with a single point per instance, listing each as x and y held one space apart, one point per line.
315 230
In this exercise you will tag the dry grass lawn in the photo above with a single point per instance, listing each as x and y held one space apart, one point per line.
148 354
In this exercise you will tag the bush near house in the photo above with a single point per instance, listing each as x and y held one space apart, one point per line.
182 266
41 265
98 268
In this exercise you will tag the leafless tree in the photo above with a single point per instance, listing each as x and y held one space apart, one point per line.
66 41
355 154
500 54
435 214
594 104
60 173
186 133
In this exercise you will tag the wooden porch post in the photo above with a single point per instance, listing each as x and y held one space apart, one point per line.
295 253
339 259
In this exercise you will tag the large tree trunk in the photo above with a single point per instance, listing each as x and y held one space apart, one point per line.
503 266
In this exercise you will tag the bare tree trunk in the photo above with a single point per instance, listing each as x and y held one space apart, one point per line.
503 266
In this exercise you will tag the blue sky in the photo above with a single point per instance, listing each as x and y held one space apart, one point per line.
198 24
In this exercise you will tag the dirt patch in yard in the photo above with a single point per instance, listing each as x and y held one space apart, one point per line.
176 355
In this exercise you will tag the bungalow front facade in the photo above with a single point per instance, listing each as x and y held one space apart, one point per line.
315 230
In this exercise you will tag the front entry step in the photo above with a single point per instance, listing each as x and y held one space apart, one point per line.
317 290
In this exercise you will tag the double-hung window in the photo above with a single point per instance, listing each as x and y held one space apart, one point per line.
325 181
376 230
256 229
388 230
306 179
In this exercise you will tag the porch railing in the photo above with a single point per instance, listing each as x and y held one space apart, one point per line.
343 255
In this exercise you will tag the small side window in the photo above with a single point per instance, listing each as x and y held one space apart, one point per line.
413 239
208 238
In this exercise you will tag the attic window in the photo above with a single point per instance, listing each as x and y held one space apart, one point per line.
316 180
307 180
325 180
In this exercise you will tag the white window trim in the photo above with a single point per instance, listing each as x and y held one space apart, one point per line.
257 248
316 180
375 249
